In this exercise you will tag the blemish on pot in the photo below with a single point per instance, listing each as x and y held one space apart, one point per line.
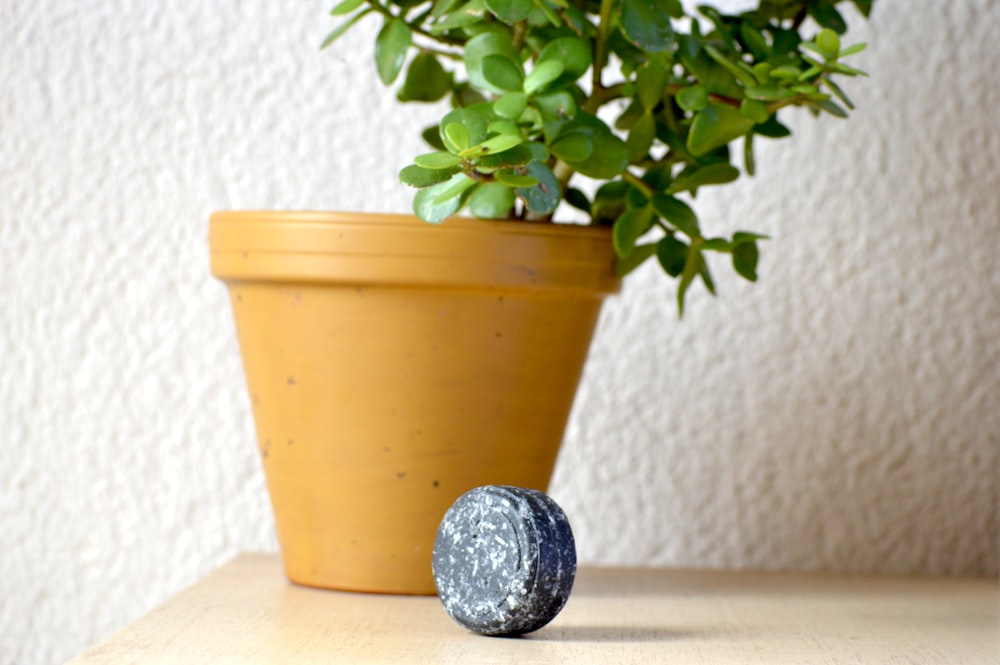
291 381
255 399
436 484
246 255
239 297
265 449
401 474
386 449
498 334
291 442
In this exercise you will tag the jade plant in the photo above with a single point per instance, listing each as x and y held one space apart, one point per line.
651 101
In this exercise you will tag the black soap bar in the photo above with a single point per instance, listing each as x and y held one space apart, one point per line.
504 560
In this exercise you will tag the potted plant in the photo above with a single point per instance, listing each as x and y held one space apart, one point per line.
394 364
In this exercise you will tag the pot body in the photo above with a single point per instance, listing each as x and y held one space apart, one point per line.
393 365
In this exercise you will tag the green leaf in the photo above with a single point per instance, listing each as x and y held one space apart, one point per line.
555 108
339 31
503 72
426 205
716 245
390 49
610 154
762 72
500 143
539 151
706 274
519 155
442 7
755 110
754 41
503 126
788 72
457 136
827 16
646 23
432 136
512 179
692 268
828 43
543 74
491 200
573 147
693 98
543 197
469 13
672 254
426 80
831 107
848 71
623 266
577 199
609 202
772 129
640 139
650 82
748 159
573 53
853 48
628 228
511 105
482 46
677 213
630 115
346 7
840 94
700 176
748 236
743 73
715 126
745 257
510 11
437 160
474 120
767 93
418 176
454 188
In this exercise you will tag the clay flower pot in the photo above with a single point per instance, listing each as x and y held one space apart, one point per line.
393 365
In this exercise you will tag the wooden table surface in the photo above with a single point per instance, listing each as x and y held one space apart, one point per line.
246 612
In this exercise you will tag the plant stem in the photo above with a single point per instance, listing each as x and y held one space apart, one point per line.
638 183
601 44
520 32
563 173
602 96
415 26
439 52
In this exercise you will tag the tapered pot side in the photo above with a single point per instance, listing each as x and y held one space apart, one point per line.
394 365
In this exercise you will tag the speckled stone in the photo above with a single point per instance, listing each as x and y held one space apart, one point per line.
504 560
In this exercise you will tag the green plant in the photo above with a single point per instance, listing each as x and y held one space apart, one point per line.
541 77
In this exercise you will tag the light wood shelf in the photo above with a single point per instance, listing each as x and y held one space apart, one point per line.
246 612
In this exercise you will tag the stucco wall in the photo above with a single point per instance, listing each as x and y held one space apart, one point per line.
841 414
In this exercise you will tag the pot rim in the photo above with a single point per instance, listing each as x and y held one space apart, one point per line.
400 249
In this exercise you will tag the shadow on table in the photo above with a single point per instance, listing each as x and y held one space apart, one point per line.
622 634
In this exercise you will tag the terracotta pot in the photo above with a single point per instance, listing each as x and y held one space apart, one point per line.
393 365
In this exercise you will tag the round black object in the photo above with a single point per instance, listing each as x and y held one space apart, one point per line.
504 560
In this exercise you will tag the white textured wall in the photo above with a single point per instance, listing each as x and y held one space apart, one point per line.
842 414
